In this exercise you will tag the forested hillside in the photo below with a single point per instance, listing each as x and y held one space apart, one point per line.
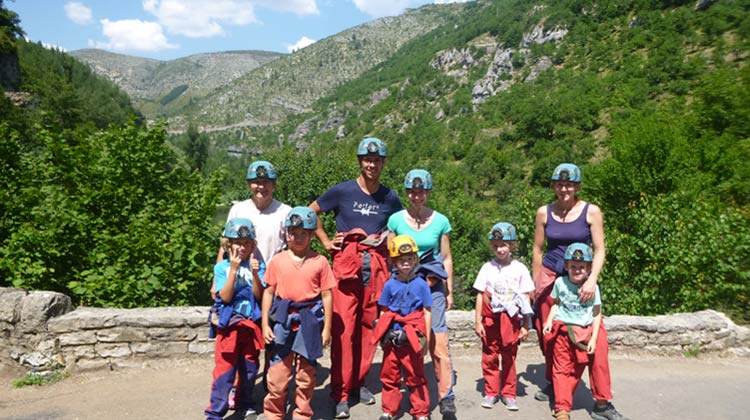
650 97
91 203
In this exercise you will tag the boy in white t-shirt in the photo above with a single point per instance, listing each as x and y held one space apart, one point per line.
503 315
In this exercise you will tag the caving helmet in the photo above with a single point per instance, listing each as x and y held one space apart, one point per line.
418 178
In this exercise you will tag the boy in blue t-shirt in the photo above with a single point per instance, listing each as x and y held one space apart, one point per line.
575 339
403 325
233 315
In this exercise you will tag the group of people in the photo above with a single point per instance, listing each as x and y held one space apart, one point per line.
390 284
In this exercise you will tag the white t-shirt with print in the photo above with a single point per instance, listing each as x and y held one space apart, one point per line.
269 225
503 282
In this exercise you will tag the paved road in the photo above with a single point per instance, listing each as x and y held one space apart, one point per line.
645 388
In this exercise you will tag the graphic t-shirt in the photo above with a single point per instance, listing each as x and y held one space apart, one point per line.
570 310
354 208
243 279
503 282
426 238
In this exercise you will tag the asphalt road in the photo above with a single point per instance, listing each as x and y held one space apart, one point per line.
645 387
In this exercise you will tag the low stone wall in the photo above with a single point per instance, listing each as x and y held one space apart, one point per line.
39 330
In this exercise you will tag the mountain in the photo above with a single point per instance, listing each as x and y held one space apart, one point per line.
649 97
291 84
158 87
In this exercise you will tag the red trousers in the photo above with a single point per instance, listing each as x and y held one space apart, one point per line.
569 363
500 343
352 350
279 375
394 360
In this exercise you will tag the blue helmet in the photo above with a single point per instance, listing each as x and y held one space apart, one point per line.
503 231
371 146
239 228
261 169
567 172
301 216
418 178
578 251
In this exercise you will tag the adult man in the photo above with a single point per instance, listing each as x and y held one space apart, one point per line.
362 207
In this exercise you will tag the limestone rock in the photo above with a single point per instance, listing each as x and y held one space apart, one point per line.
37 307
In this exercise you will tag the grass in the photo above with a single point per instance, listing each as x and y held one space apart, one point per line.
40 379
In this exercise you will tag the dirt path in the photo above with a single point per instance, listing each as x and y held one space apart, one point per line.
645 388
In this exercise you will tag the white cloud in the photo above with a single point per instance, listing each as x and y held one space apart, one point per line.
132 35
78 12
302 43
201 18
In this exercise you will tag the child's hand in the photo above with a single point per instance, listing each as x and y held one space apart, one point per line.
325 336
523 334
234 258
591 348
254 264
547 328
479 330
268 335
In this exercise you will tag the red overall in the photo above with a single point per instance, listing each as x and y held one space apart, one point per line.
237 349
500 343
569 363
542 304
355 307
407 357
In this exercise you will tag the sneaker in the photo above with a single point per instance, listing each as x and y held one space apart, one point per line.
342 410
365 396
386 416
545 394
562 415
447 406
608 412
510 403
249 414
489 401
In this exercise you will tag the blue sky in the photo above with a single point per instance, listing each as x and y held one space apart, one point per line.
168 29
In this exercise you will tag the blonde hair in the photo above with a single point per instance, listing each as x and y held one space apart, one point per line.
227 242
513 245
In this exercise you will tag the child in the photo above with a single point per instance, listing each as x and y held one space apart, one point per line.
296 301
404 322
233 316
503 315
572 328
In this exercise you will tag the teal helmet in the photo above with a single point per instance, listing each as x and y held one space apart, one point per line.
418 178
578 251
371 146
303 217
503 231
567 172
261 169
239 228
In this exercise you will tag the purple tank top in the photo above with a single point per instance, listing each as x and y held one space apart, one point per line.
559 235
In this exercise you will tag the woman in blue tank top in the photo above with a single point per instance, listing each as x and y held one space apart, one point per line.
565 221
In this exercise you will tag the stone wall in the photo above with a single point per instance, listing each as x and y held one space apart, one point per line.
39 330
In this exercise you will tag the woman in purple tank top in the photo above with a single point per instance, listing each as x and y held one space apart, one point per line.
568 219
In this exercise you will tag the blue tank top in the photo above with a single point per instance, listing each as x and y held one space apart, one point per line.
559 235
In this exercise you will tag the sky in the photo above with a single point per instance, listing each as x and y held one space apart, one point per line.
169 29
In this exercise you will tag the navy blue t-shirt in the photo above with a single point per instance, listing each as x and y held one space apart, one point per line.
354 208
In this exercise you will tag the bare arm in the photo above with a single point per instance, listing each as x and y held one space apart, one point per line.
596 222
595 334
227 292
428 326
551 317
327 316
268 335
445 251
321 234
538 250
478 327
257 285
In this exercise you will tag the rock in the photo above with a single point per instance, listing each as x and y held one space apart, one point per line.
440 114
379 96
10 308
38 307
703 4
543 64
539 36
341 133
